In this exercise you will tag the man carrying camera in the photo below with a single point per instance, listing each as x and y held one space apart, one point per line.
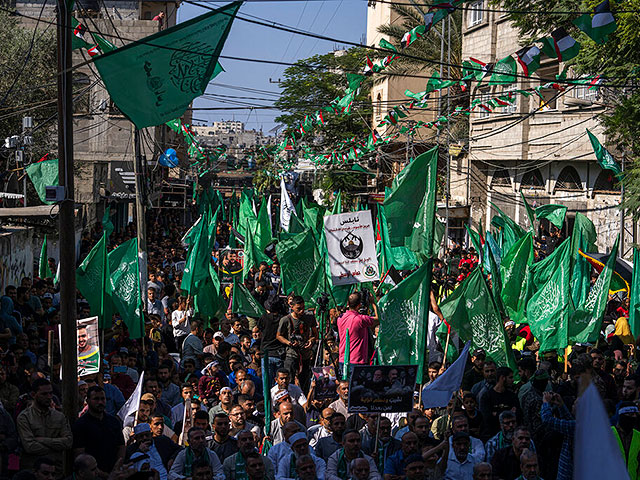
358 326
298 332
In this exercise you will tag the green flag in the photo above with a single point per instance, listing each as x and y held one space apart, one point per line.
92 280
471 311
155 79
587 319
404 315
583 238
253 255
548 309
107 224
244 304
207 302
552 212
401 205
504 72
401 258
313 215
337 204
514 270
103 44
423 237
263 228
475 239
531 214
125 286
43 174
198 261
605 159
634 296
511 231
347 357
297 259
247 219
43 267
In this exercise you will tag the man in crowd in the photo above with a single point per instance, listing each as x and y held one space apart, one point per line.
359 327
246 446
197 450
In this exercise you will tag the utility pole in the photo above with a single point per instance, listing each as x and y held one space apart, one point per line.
447 188
141 199
66 229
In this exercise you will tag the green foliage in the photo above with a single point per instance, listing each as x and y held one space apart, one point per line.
617 60
314 83
334 180
34 73
266 177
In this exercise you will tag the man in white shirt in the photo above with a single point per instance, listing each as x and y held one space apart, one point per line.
460 464
299 447
282 383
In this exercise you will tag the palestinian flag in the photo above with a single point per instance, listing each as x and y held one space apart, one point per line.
319 118
529 59
622 273
600 25
475 69
412 35
93 51
103 44
77 39
561 45
368 68
595 82
436 13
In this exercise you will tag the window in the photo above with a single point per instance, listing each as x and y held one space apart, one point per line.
606 183
378 106
501 178
474 14
569 180
81 94
532 180
508 90
582 92
485 96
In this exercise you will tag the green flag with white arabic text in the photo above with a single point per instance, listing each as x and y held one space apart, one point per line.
514 270
125 286
471 311
297 260
587 319
552 212
92 280
605 159
244 304
155 79
404 315
549 308
634 296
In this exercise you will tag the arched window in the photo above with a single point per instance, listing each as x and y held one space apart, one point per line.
606 183
532 180
378 105
569 180
501 178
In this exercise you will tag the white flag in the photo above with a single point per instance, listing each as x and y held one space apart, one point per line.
439 392
186 423
596 454
286 207
269 207
129 409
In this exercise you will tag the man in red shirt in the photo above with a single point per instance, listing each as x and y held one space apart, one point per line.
358 326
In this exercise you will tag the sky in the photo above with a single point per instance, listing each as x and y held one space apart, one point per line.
341 19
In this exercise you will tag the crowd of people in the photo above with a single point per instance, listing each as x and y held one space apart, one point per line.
202 412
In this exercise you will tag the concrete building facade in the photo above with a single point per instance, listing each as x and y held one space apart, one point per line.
538 146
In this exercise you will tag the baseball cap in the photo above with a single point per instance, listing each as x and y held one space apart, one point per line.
218 335
48 295
148 397
296 437
141 428
280 395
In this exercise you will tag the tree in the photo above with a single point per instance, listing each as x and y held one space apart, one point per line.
339 179
312 84
28 82
617 60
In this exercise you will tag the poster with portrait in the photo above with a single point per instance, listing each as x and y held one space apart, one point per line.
88 346
325 378
382 389
230 264
351 247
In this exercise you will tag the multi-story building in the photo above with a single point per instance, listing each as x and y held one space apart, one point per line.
103 137
538 146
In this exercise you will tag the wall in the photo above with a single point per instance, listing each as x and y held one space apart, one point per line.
16 256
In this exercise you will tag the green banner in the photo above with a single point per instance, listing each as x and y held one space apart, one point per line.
125 286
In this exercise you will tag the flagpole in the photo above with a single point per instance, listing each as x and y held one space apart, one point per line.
138 170
446 345
68 337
